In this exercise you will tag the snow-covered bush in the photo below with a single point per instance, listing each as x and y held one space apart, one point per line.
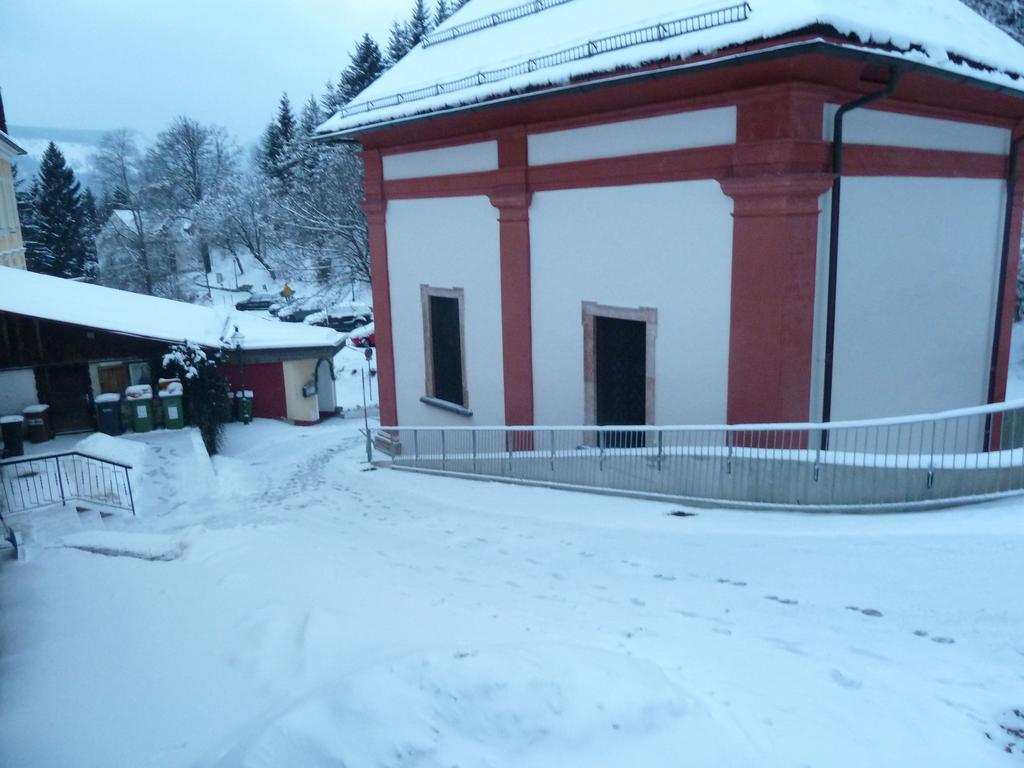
206 399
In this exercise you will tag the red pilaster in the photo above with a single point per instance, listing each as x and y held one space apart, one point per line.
375 207
775 191
511 197
1009 296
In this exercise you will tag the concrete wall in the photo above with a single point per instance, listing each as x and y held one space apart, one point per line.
918 267
465 158
684 130
446 243
665 246
17 389
877 127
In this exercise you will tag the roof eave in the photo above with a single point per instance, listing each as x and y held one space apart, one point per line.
8 143
817 45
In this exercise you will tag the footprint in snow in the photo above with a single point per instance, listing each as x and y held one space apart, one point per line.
943 640
664 577
845 682
782 600
637 601
866 611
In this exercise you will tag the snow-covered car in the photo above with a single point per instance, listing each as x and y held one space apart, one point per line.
346 323
258 301
363 337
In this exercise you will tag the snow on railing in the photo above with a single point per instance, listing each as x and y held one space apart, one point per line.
903 462
486 22
639 36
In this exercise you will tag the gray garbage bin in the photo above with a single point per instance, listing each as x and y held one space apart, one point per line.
108 413
12 428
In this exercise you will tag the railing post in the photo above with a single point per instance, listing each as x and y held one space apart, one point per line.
60 482
416 447
661 435
728 452
128 482
473 439
551 437
444 454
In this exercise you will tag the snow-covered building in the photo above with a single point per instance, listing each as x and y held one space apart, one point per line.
584 211
62 342
130 240
12 250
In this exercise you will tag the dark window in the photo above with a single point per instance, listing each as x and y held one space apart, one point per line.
446 349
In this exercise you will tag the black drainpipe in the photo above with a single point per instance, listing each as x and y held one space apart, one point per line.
1004 267
833 240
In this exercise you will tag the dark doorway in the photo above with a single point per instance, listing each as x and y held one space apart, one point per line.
620 352
66 389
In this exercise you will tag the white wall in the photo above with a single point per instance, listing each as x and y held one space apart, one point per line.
446 243
667 246
465 158
684 130
17 389
918 267
877 127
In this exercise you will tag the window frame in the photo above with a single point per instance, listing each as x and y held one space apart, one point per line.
431 398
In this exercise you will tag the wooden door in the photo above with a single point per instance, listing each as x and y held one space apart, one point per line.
66 390
113 378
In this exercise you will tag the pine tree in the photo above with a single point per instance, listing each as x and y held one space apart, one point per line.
56 241
398 43
276 152
441 12
366 65
419 23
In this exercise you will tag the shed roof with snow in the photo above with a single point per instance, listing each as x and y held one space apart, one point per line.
494 50
108 309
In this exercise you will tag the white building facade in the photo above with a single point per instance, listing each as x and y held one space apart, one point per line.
659 248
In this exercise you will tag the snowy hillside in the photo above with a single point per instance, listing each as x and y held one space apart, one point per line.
78 147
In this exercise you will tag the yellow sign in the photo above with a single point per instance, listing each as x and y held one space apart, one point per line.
287 291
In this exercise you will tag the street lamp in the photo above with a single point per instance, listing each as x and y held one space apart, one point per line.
238 339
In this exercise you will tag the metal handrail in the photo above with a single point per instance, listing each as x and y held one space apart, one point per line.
902 462
57 478
639 36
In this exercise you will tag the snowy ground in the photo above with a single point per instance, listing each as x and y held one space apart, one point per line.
294 609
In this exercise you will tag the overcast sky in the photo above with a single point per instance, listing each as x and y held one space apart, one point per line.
103 64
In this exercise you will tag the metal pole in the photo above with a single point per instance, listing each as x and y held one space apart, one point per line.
366 421
60 482
131 498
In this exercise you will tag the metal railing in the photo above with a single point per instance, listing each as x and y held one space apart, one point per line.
486 22
639 36
42 481
907 462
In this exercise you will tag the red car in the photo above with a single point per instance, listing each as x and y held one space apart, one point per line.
363 337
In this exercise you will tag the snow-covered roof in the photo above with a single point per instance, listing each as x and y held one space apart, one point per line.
8 148
491 49
108 309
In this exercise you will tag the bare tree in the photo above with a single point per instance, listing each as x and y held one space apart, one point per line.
117 162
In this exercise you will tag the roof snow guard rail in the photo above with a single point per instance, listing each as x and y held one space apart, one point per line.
640 36
493 20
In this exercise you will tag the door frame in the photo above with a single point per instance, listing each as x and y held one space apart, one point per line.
647 315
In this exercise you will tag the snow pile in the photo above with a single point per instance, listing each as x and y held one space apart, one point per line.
939 33
143 546
120 450
538 706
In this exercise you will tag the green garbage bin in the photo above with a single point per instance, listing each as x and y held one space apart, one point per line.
108 413
140 398
244 400
228 414
171 400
